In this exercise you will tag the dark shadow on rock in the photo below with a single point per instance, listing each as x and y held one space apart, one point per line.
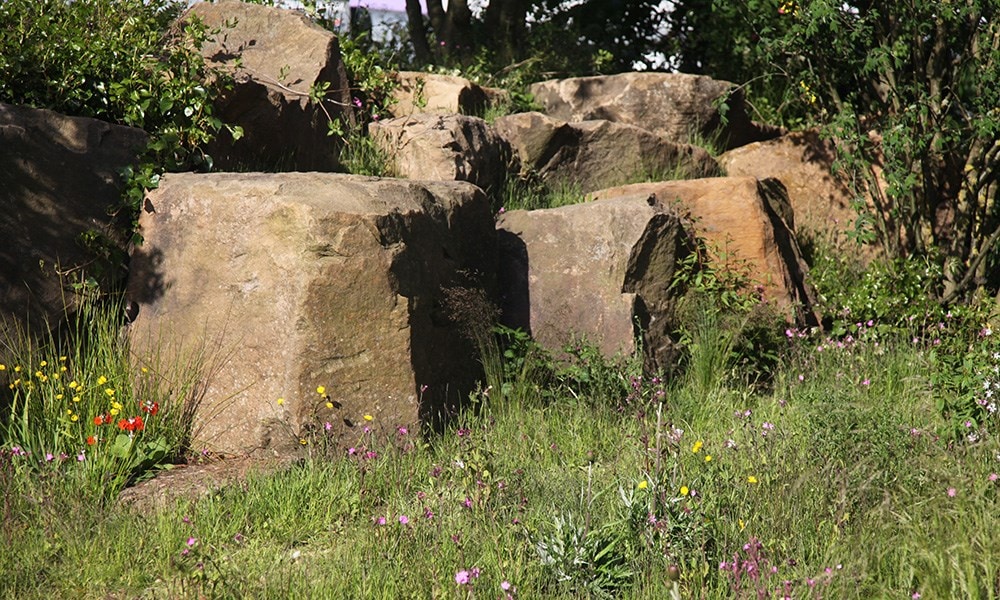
512 281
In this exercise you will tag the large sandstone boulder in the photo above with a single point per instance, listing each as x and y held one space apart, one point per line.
60 178
746 221
601 270
803 161
597 154
276 56
444 148
299 280
433 93
674 105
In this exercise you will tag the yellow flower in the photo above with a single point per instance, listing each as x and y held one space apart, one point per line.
3 367
63 369
59 396
69 411
17 369
54 376
76 398
73 385
742 525
369 418
697 446
117 405
329 404
75 418
102 380
708 458
115 411
281 401
684 490
43 363
62 359
320 390
303 442
39 374
751 479
110 392
643 484
145 370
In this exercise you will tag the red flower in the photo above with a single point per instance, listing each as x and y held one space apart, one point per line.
137 424
131 424
98 420
151 407
91 441
124 425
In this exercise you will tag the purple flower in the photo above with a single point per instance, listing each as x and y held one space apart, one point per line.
49 457
462 577
467 503
328 426
505 585
403 430
380 521
866 382
191 541
352 451
403 519
356 102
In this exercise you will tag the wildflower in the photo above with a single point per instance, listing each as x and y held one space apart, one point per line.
952 492
352 451
467 503
403 519
684 490
506 586
708 458
320 390
81 456
993 477
867 382
369 418
357 103
380 521
328 426
428 514
303 442
49 457
192 541
329 404
402 430
91 440
281 401
643 484
751 479
102 380
696 448
151 407
462 577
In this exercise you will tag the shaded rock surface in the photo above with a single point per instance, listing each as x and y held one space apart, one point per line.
300 280
593 155
276 56
748 222
433 147
601 270
675 105
60 179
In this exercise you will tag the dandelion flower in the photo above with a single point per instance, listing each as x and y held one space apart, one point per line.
751 479
708 458
329 404
696 448
281 401
369 418
684 490
643 484
320 390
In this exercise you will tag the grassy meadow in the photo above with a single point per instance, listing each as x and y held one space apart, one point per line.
859 462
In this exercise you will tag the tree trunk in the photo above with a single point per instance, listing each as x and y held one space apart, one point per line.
418 32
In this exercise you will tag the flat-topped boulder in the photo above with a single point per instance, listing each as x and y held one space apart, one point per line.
591 155
598 270
293 281
437 147
675 105
434 93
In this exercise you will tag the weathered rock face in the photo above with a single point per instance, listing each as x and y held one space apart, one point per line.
674 105
428 92
444 148
597 154
299 280
747 220
803 162
60 177
600 269
282 55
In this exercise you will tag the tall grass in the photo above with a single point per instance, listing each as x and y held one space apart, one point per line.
566 480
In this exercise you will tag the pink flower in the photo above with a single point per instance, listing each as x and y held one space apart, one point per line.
462 577
403 519
191 541
952 492
994 477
